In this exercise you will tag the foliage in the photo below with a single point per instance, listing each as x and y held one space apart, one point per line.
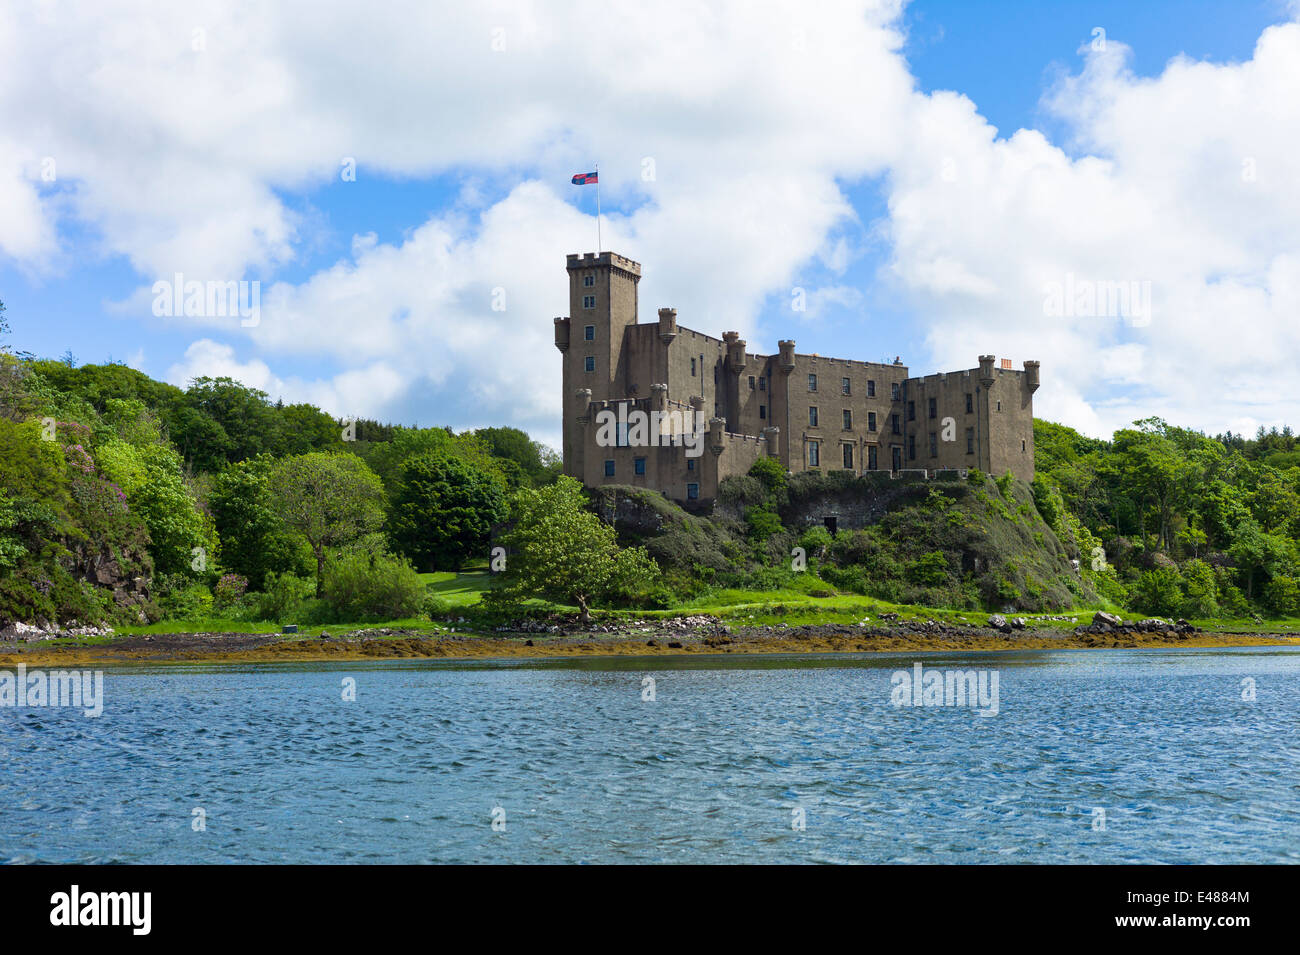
359 586
330 499
559 551
443 509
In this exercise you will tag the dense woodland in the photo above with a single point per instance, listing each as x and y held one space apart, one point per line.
126 500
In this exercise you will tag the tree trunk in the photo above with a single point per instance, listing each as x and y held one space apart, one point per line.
320 573
585 612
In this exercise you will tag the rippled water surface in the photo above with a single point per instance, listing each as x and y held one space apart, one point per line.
710 771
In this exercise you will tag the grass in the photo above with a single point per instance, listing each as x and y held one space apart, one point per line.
794 606
459 590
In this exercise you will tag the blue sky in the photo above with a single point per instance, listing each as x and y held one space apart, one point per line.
889 278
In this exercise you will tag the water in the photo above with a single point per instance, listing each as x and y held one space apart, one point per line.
711 771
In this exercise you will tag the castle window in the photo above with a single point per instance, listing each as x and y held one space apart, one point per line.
609 469
620 435
970 440
751 382
934 408
692 492
812 416
848 456
934 445
999 406
814 454
690 464
848 420
845 386
589 363
911 447
894 391
692 367
588 301
872 459
911 411
762 384
871 388
1022 445
762 412
812 382
589 333
970 402
588 281
639 466
871 421
893 420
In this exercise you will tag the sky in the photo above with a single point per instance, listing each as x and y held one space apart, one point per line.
1111 188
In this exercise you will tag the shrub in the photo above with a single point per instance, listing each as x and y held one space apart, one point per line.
1158 591
360 586
763 523
1282 595
284 597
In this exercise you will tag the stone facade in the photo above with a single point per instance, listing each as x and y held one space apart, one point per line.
664 407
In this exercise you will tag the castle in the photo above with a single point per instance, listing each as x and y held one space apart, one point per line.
663 407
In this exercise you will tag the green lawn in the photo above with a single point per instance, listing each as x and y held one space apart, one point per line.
460 590
794 606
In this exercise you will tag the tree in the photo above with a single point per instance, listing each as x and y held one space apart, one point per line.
443 509
254 540
558 550
330 499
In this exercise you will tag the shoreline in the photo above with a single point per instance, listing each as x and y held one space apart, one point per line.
397 645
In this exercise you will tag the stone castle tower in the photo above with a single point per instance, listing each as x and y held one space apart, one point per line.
668 408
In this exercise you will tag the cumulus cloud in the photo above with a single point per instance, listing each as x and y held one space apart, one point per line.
727 134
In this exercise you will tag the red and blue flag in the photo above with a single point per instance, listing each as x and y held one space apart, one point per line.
584 179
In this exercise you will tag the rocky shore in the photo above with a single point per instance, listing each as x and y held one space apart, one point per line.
563 636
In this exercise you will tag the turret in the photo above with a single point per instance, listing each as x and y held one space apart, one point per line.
1031 375
658 397
667 325
986 370
562 334
787 356
716 444
735 351
773 438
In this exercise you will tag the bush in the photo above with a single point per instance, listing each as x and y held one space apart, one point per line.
1159 592
182 600
227 591
284 598
360 587
1282 595
763 523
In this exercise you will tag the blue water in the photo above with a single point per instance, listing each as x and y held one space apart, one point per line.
710 771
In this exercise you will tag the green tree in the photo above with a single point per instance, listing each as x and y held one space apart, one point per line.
176 525
443 509
330 499
1158 591
254 540
557 550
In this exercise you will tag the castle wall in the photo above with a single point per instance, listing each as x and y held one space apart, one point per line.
991 409
831 403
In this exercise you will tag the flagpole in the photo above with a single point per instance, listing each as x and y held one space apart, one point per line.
597 168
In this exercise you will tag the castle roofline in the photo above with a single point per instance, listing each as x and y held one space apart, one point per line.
590 260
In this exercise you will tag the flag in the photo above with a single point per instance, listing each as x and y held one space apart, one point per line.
584 179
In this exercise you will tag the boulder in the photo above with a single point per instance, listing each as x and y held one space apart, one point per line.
999 622
1106 619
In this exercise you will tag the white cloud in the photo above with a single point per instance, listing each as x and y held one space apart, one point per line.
752 119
